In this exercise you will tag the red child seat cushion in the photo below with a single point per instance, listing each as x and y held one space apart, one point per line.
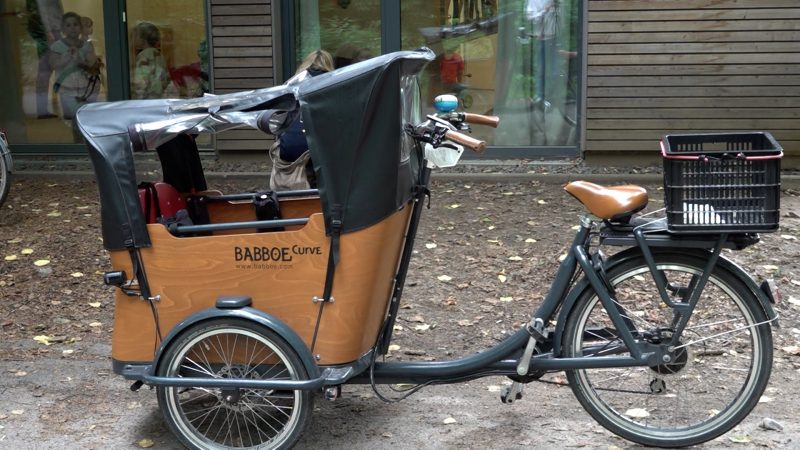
160 200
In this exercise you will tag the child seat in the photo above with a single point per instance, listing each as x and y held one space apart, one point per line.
160 202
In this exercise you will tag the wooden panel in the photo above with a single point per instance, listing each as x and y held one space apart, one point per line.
678 26
191 273
657 13
693 91
242 41
244 73
241 33
242 62
694 102
696 69
241 30
691 66
238 10
232 52
695 36
692 113
622 5
241 20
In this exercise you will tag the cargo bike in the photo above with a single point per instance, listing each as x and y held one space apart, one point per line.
240 308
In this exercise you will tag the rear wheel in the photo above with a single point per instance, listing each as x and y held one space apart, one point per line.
717 372
5 179
205 418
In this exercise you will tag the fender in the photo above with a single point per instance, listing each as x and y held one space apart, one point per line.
634 252
247 313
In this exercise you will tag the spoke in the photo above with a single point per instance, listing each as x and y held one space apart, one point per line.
256 414
199 368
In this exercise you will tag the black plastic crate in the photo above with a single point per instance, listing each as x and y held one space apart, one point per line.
722 182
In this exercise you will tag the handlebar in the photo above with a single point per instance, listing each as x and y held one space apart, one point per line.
480 119
467 141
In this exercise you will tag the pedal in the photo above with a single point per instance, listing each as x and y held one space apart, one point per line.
136 385
512 393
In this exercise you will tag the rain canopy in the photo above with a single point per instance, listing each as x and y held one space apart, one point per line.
354 119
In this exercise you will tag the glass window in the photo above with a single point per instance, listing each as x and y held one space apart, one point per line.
517 59
168 50
349 30
52 54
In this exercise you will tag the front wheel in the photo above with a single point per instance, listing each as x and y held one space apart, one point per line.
205 418
720 367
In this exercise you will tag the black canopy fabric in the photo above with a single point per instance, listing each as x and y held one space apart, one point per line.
354 120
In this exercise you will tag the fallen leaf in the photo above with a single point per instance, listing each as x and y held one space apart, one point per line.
386 434
95 324
54 214
418 319
94 304
506 299
770 268
17 412
454 206
76 274
465 322
788 237
41 262
26 251
794 301
515 258
740 439
530 241
20 373
765 399
422 327
145 443
449 421
637 413
68 352
542 202
11 258
444 278
14 241
42 339
502 278
394 348
562 257
430 245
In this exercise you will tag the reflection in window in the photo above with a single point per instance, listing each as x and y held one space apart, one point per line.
53 63
168 49
348 30
513 58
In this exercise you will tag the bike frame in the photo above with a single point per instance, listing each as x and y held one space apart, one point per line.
505 358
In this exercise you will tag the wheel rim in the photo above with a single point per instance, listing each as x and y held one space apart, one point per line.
233 418
709 383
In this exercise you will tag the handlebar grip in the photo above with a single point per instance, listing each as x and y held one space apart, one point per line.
467 141
480 119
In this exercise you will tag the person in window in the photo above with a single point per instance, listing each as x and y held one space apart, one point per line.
451 70
44 26
73 60
150 74
291 147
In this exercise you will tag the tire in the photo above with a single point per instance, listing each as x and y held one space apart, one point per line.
711 385
5 179
257 418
